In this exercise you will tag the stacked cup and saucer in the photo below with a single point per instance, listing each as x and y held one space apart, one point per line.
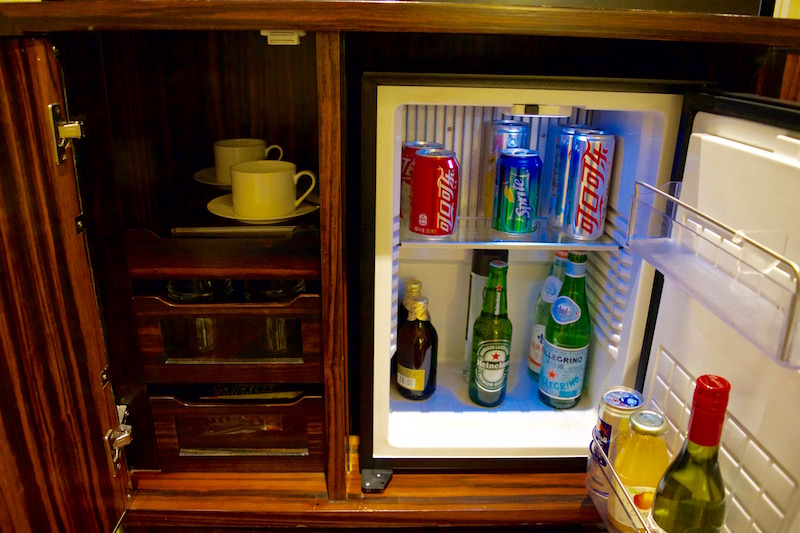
263 191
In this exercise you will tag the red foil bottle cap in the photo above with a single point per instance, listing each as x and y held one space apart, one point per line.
708 410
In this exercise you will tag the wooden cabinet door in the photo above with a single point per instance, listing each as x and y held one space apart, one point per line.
54 409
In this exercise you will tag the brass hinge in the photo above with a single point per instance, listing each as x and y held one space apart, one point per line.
63 131
116 439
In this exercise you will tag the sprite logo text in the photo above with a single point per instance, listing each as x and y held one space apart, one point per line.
522 207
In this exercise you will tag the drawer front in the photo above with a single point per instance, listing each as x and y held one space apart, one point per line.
239 436
264 342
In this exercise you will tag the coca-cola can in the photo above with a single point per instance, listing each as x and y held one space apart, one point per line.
410 150
592 158
434 193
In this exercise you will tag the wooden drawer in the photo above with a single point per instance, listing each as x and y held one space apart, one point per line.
212 435
230 342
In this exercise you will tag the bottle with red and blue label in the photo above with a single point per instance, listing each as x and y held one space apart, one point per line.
566 345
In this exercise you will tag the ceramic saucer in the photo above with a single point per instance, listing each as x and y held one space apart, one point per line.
209 177
223 206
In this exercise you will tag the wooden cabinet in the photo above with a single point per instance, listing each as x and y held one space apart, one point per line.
93 238
89 243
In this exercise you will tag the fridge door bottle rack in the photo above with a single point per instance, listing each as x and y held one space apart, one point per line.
745 283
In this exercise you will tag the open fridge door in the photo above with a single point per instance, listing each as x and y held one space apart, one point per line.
729 300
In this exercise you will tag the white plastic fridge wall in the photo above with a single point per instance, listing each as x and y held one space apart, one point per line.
449 425
743 175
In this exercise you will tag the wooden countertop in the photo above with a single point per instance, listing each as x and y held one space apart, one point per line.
410 500
461 500
393 16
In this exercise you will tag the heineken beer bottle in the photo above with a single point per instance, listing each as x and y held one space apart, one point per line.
566 344
491 342
417 345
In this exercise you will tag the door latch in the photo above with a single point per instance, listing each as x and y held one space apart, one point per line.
116 439
63 131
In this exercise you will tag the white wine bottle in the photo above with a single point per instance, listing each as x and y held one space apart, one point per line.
690 497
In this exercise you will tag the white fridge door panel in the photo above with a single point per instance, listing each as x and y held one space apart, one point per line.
745 184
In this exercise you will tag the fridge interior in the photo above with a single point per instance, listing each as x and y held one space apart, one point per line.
449 425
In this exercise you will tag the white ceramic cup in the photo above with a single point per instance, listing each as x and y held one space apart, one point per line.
267 188
229 152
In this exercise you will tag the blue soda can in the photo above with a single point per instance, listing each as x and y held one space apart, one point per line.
504 134
559 197
516 191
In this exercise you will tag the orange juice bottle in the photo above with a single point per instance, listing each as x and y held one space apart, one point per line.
640 464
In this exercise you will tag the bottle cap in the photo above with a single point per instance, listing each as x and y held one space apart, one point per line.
413 285
498 264
711 394
648 423
709 403
482 258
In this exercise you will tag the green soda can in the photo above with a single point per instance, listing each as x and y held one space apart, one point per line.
516 191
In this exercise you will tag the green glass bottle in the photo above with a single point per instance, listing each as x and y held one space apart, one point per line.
691 495
491 342
566 345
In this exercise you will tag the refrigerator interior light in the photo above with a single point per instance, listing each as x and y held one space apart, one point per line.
541 110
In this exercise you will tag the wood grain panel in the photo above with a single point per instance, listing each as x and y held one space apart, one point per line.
334 298
54 473
244 437
460 501
446 17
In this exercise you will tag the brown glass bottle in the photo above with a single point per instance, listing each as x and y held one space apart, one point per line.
417 346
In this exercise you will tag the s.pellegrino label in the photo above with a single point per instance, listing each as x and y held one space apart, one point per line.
562 371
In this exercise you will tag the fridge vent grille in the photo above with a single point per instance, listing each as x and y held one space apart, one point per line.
609 285
762 495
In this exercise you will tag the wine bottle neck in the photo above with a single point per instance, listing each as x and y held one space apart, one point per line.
705 428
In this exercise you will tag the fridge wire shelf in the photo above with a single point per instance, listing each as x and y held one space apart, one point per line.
743 282
601 474
477 232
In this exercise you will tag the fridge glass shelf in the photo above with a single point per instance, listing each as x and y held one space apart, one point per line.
477 232
743 282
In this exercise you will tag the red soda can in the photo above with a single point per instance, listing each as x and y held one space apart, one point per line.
591 160
434 193
410 150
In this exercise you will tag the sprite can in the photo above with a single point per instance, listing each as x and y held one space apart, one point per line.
516 191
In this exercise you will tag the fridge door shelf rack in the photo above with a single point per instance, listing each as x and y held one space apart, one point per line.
600 474
745 283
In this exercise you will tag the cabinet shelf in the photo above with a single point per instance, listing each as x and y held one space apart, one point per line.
747 285
295 255
235 342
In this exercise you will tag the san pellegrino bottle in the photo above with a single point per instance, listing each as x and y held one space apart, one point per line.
690 497
417 346
541 311
566 345
491 342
